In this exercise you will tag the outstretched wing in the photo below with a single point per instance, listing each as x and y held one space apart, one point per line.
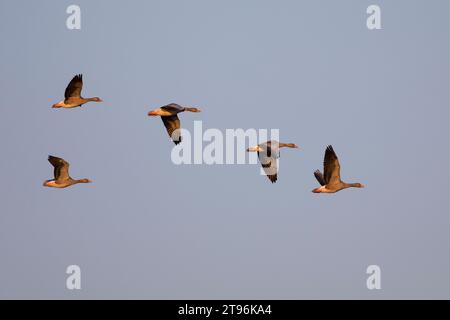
172 124
74 88
331 167
269 165
61 168
319 177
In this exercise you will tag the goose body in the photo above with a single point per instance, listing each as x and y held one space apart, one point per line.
61 178
169 116
330 180
268 153
72 95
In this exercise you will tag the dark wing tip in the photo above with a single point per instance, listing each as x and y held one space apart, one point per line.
77 78
172 124
273 178
329 152
319 177
55 161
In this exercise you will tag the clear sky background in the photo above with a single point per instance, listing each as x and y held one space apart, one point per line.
148 229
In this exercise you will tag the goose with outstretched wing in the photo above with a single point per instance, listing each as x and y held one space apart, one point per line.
72 95
268 154
61 175
330 180
169 116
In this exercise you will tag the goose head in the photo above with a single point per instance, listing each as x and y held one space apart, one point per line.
85 181
288 145
193 109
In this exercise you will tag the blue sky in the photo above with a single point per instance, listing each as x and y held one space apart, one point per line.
147 228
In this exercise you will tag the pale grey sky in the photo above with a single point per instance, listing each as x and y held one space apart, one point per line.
148 229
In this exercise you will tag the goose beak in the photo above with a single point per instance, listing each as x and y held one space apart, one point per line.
152 114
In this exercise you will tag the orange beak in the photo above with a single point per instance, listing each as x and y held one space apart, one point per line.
152 113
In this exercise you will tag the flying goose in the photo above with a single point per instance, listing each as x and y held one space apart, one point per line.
268 153
330 180
61 173
170 119
73 95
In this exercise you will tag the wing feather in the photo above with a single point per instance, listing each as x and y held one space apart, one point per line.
74 88
173 108
172 124
269 165
331 167
61 168
319 177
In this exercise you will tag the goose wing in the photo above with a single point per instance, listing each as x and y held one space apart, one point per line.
331 167
269 164
172 124
319 177
173 108
61 168
74 88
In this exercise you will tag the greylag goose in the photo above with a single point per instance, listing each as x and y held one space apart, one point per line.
268 153
170 119
61 172
330 180
73 96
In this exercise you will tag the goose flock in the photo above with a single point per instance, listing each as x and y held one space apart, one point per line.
268 152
